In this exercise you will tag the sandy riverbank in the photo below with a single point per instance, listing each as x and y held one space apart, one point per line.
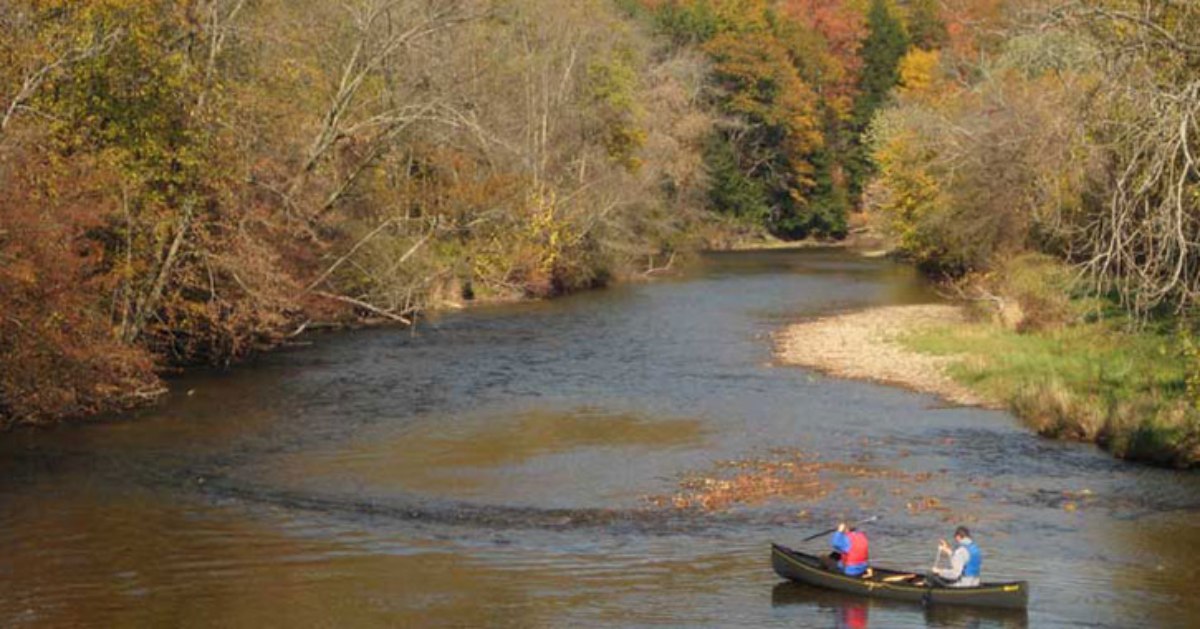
863 345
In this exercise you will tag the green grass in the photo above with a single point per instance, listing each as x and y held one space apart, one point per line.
1094 381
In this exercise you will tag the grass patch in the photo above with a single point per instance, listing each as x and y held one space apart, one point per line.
1094 381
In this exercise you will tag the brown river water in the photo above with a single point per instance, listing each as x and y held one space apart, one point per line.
522 465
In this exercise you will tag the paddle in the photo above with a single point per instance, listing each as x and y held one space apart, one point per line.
899 577
860 522
930 579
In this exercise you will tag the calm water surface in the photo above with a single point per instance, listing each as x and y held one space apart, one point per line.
496 468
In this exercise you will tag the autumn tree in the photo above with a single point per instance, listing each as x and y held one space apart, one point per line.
825 38
776 128
926 28
190 182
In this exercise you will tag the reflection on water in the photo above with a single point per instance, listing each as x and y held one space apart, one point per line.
490 454
492 468
845 611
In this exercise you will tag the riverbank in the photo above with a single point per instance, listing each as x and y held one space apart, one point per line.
141 232
1095 381
862 238
85 384
867 345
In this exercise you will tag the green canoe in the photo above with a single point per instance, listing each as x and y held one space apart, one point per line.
895 584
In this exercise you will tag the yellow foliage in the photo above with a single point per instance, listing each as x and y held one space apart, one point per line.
918 71
553 232
741 15
913 193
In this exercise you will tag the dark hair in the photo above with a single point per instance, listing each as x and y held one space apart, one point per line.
962 530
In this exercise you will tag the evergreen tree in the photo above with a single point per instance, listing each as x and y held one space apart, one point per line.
688 24
828 202
731 191
885 45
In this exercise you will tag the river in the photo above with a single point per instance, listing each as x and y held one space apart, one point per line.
520 466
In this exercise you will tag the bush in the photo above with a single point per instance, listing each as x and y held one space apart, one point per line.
58 355
1167 436
969 178
1042 288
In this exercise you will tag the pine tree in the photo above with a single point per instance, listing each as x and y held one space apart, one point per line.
730 190
828 204
885 45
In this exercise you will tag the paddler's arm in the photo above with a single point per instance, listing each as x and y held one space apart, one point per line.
958 560
839 541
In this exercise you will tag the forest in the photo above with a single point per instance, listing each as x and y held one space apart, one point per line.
192 182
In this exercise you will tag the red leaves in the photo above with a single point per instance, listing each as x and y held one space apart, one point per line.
841 29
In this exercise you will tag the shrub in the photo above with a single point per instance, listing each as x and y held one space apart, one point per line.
1055 410
1042 287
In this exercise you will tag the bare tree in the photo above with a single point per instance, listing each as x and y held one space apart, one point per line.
1144 239
383 30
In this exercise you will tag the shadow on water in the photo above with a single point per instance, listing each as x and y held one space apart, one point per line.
845 611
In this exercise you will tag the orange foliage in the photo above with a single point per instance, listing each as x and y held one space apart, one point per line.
791 475
968 22
762 84
53 323
753 482
842 27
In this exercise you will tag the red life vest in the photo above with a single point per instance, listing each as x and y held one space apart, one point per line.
858 549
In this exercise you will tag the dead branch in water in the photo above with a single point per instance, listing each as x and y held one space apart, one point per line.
662 269
398 317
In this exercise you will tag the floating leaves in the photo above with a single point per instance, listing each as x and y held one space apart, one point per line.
796 476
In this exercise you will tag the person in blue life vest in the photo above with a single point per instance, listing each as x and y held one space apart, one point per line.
851 551
966 561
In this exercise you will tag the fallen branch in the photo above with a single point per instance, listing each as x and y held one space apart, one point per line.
960 295
662 269
300 330
366 306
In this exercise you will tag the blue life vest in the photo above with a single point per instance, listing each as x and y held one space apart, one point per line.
975 560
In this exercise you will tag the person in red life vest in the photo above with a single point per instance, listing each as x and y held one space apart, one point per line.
851 554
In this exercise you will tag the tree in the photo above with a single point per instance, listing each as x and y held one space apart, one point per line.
882 50
926 28
730 189
192 181
884 47
1137 231
779 128
825 37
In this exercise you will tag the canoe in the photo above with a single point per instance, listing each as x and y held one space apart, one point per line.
805 568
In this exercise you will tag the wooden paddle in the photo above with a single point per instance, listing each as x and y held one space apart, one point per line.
898 577
812 537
